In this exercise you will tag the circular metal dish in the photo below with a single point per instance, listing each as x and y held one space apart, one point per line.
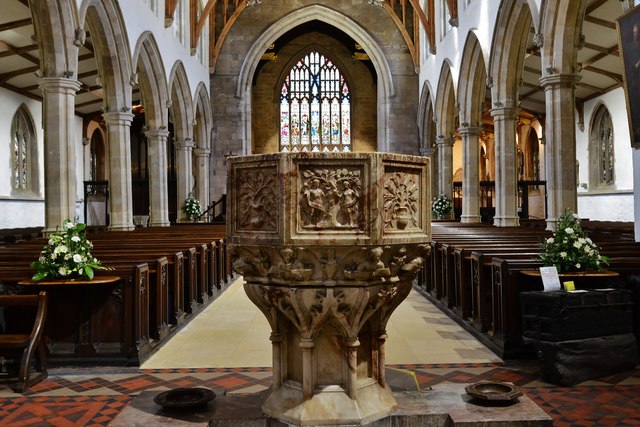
494 391
184 397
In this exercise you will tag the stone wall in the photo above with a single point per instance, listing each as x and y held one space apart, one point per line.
386 110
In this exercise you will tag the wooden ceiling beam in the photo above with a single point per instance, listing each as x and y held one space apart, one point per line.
601 22
15 24
7 76
21 91
600 56
597 94
19 50
614 76
595 5
601 49
16 51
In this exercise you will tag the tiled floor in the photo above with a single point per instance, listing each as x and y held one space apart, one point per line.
421 340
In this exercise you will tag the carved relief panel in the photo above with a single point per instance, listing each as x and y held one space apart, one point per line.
331 197
256 198
402 199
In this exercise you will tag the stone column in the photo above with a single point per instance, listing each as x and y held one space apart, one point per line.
202 185
560 148
505 153
60 152
471 171
445 165
184 165
120 193
158 185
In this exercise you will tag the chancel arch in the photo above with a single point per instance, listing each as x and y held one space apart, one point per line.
385 90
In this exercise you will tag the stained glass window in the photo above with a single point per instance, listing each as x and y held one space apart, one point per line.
315 107
602 146
21 139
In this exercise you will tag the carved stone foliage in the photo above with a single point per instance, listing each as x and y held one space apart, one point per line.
401 200
331 199
257 199
328 266
345 309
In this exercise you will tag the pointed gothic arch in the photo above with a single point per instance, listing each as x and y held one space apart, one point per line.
151 80
338 20
25 174
202 130
471 96
57 30
601 149
445 110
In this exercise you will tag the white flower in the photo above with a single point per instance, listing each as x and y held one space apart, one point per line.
568 230
68 225
575 215
63 271
578 265
77 258
550 240
75 238
563 254
62 249
577 244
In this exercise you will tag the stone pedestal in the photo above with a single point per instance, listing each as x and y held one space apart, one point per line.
328 244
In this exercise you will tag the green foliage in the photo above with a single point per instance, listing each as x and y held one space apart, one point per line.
570 249
67 255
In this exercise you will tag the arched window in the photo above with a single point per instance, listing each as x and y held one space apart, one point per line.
315 107
23 153
601 152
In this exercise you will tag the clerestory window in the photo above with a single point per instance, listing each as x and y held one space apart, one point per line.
315 107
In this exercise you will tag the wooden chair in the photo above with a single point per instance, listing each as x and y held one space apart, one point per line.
23 346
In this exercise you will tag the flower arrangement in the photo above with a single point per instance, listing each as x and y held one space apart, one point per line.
192 207
67 255
441 205
570 249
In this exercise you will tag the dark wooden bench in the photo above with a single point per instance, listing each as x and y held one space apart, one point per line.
25 343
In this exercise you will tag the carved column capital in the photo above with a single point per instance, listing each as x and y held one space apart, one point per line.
554 81
59 85
202 152
156 134
117 118
505 113
470 130
187 144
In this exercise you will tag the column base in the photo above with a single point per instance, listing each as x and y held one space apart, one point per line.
331 405
470 219
506 221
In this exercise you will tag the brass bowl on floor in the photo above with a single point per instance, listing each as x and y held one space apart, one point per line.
184 397
494 391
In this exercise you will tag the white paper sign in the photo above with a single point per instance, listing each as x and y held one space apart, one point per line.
550 279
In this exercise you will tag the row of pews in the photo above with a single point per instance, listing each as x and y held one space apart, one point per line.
159 279
476 273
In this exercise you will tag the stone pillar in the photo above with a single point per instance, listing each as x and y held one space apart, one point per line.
560 148
504 119
202 185
471 174
158 185
184 165
445 166
329 245
60 151
120 193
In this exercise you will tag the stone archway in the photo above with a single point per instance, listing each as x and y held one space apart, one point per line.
427 131
182 116
105 22
561 29
445 130
153 90
332 17
201 131
506 63
471 95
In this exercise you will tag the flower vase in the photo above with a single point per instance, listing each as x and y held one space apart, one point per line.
402 218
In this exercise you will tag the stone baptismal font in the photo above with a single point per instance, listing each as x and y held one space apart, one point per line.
328 245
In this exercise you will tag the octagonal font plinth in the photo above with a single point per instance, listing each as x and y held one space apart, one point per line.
328 245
